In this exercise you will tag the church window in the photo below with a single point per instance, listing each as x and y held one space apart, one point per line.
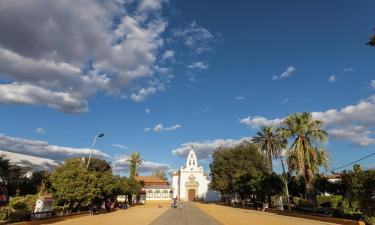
157 194
149 194
165 194
194 163
189 162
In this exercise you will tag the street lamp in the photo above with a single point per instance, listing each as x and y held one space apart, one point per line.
92 148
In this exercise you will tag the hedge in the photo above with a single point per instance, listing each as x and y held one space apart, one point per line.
332 200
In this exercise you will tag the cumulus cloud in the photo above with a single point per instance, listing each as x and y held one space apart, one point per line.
43 149
160 128
359 135
122 165
205 148
143 93
372 84
31 162
289 71
351 123
59 53
198 65
148 111
40 130
332 79
257 121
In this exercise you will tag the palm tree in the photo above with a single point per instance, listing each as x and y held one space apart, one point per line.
307 151
135 160
270 143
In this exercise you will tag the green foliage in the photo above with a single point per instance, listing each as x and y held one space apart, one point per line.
135 160
369 220
230 166
306 153
270 143
300 202
26 203
4 214
332 200
323 185
271 184
347 211
99 165
360 188
73 183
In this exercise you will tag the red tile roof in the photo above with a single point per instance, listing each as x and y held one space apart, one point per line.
150 179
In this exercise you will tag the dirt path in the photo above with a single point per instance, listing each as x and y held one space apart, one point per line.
236 216
140 215
188 215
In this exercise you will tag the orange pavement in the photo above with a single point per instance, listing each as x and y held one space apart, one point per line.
237 216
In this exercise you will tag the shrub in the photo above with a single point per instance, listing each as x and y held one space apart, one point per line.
345 210
369 220
26 203
4 214
300 202
332 200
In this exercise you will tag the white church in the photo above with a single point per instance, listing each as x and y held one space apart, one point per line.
190 182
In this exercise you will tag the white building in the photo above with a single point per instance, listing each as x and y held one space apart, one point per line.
154 189
190 182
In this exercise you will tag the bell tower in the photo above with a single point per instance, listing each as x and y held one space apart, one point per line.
191 161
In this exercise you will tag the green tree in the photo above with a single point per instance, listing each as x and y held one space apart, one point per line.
135 160
270 143
73 183
99 165
307 152
372 40
229 166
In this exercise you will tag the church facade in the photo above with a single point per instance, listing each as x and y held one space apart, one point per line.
190 181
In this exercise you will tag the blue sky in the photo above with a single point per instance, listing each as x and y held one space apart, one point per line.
168 75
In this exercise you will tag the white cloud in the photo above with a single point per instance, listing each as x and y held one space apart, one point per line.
143 93
148 111
332 79
31 162
71 50
359 135
239 98
205 148
289 71
33 95
43 149
40 130
168 54
120 146
372 84
350 69
196 38
122 165
198 65
257 121
160 128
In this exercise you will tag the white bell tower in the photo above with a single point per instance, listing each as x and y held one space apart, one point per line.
191 161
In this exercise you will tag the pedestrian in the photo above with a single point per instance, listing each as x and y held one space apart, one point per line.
91 208
180 205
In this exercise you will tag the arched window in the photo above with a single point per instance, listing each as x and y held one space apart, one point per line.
165 194
157 194
189 162
193 162
150 194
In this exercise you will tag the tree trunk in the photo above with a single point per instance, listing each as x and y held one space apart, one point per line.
310 192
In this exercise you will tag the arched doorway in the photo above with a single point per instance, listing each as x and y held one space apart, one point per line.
191 194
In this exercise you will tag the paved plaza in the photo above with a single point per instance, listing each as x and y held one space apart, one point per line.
190 214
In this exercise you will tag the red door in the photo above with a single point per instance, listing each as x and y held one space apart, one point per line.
191 194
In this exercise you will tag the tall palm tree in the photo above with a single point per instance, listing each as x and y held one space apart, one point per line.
307 151
270 143
135 160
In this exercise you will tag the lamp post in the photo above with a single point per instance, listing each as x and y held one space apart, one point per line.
286 182
92 148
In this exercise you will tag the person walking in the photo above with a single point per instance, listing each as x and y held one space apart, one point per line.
180 205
